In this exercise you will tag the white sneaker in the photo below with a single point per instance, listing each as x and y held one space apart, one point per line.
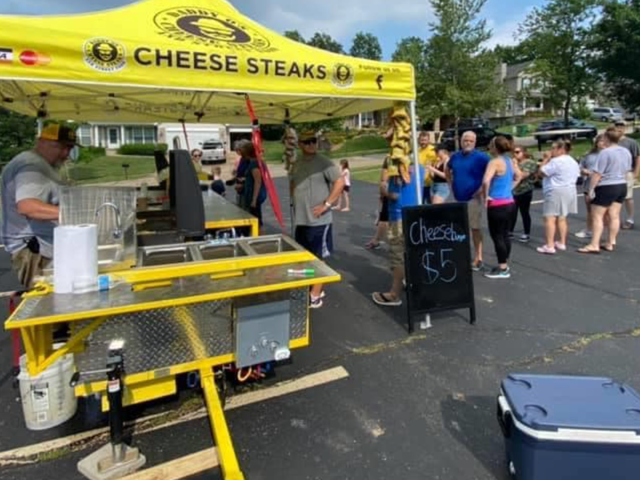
561 246
524 238
584 234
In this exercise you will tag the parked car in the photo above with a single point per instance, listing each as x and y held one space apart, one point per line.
213 152
589 131
484 134
606 114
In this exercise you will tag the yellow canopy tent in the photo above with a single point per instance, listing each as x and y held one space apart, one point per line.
157 61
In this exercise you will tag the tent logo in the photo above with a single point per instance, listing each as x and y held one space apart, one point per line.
206 27
343 75
104 55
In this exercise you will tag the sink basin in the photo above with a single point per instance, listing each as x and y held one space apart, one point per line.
165 256
108 254
219 252
270 245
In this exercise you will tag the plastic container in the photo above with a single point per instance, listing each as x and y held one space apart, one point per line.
48 400
570 428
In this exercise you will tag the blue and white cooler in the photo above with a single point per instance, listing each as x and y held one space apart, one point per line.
570 428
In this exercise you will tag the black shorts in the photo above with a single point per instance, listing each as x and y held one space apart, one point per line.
609 194
384 211
347 188
318 240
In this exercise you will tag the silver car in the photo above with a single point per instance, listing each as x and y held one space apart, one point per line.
606 114
213 152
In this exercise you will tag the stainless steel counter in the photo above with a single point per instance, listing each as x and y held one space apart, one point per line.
219 209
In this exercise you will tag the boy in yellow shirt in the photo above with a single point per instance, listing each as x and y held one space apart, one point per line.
427 156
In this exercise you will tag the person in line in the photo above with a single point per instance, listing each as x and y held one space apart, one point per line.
315 185
255 192
560 173
587 164
633 173
217 185
427 157
501 176
239 172
523 192
608 184
465 173
196 158
382 225
440 190
400 195
30 196
346 176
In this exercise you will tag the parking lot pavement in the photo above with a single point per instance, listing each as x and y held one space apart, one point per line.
412 407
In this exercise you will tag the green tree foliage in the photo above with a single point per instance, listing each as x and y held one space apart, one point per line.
366 45
617 42
460 72
325 42
558 35
412 50
512 54
295 35
17 133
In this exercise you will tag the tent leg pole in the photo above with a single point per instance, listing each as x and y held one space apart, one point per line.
414 140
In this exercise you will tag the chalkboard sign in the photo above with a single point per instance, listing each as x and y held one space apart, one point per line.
438 259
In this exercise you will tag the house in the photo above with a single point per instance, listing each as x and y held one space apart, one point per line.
524 93
377 119
113 136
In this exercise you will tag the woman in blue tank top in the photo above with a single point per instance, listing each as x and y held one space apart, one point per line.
501 176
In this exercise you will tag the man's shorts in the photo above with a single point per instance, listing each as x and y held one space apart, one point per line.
395 239
631 182
28 265
476 212
317 240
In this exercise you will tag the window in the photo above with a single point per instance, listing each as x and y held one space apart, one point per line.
140 134
84 135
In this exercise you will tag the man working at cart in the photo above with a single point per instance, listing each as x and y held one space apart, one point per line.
30 210
316 184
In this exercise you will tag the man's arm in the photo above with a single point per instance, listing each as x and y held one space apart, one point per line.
38 210
636 171
336 191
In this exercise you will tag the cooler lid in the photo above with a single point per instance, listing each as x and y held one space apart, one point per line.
551 403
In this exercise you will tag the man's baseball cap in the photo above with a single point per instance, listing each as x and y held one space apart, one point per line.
621 123
307 135
59 133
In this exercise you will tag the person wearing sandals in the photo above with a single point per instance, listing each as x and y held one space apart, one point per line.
608 184
560 173
497 191
382 224
587 164
523 192
440 189
400 195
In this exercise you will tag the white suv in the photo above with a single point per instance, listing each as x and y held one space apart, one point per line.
213 152
606 114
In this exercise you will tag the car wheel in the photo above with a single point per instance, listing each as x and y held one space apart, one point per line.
604 119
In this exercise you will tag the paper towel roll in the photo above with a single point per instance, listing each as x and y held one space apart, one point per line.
75 256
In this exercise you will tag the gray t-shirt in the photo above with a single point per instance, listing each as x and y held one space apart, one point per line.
613 164
27 176
312 178
588 163
633 147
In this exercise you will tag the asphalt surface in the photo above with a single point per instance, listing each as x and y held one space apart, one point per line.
413 407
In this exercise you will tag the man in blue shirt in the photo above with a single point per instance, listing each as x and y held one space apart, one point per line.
400 195
465 172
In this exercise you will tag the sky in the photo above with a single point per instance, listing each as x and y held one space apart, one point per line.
339 18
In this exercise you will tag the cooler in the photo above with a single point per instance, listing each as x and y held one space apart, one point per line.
570 428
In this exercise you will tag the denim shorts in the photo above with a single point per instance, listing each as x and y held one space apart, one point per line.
441 190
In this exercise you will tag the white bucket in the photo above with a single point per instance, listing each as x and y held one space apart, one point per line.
48 400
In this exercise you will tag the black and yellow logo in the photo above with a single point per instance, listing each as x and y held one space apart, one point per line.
343 75
104 55
206 27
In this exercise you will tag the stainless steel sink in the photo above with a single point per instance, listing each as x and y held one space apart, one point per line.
166 255
109 255
264 246
219 252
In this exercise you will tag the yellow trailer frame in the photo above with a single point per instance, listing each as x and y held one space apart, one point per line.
36 330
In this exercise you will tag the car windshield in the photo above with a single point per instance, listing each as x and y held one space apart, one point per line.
212 145
617 110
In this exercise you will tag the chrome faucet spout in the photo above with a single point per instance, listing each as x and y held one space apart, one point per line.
117 232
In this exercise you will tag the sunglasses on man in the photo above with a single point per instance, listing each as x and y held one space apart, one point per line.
310 141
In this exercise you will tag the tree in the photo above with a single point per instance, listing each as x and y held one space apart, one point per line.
559 36
460 72
17 133
294 35
512 54
617 42
325 42
412 50
366 45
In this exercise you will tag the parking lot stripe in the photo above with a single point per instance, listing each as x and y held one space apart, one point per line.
180 468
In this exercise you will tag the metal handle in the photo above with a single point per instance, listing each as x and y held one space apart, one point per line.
505 418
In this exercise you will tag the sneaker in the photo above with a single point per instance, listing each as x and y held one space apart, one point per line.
561 246
373 246
499 273
584 234
546 250
477 267
511 235
315 302
628 225
524 238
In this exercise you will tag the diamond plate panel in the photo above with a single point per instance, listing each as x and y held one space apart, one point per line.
298 321
160 338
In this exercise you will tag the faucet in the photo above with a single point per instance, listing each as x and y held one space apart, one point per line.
117 233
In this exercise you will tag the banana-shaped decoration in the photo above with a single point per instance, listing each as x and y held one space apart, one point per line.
290 141
400 144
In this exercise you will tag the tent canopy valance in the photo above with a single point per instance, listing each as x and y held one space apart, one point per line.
192 61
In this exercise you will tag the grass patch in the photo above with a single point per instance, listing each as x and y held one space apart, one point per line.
358 146
109 169
369 175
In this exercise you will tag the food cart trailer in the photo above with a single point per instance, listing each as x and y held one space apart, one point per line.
209 305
